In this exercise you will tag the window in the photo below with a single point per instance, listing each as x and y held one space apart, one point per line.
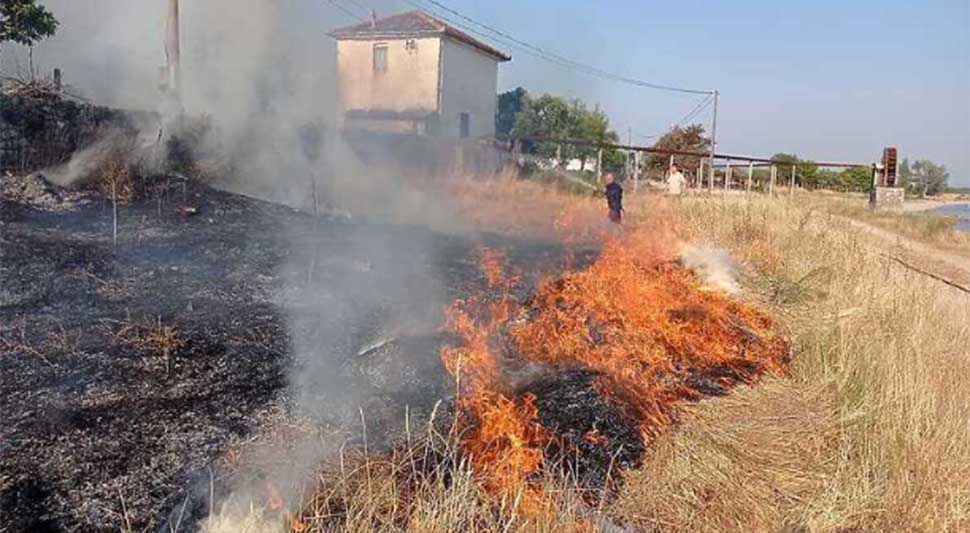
380 58
463 125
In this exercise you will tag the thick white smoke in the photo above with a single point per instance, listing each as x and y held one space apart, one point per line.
713 265
263 72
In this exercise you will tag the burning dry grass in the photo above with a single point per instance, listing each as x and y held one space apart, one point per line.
634 334
640 325
867 431
425 484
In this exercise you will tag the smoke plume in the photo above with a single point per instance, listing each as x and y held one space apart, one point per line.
263 75
713 265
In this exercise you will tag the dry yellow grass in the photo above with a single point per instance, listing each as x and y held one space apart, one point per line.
890 347
746 462
924 226
526 208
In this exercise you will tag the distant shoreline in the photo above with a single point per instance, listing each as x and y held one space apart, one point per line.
927 204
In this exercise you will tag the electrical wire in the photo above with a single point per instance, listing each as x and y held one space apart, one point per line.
701 106
346 11
551 56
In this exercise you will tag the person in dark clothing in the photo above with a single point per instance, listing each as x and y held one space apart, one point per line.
614 198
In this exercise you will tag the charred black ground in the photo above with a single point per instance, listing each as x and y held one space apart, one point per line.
126 369
592 438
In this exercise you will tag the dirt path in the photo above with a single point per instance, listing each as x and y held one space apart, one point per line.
944 264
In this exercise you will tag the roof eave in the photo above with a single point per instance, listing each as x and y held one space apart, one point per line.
383 34
482 47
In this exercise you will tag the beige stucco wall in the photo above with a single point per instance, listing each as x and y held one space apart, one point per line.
409 84
468 86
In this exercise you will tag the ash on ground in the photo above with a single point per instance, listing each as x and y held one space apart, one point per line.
129 367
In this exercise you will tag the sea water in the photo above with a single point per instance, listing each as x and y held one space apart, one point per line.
960 211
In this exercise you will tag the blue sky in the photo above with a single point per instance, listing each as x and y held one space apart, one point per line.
834 80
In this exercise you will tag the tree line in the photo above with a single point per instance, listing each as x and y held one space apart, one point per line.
520 114
922 177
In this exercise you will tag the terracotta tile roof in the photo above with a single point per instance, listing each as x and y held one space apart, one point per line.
412 24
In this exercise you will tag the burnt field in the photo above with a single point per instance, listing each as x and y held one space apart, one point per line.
129 367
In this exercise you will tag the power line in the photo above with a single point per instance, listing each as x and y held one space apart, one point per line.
346 11
361 5
556 58
701 106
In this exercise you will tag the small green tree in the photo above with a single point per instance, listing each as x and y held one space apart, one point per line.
510 104
929 178
805 170
593 125
549 117
680 139
856 179
24 22
554 117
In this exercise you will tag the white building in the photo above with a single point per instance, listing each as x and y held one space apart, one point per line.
412 73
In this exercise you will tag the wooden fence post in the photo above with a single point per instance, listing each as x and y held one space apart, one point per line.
771 184
747 186
791 188
710 180
636 171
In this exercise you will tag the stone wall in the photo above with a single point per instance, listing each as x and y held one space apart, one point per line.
38 132
888 198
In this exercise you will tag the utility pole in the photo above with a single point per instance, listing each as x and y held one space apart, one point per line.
714 136
172 49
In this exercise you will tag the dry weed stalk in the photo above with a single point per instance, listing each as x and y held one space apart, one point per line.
427 484
56 341
151 337
115 179
109 290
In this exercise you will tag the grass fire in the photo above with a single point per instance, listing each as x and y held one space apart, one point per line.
634 329
307 267
561 387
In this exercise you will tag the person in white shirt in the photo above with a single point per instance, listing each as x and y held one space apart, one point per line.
675 181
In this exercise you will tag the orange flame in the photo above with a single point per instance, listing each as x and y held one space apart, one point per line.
504 438
643 324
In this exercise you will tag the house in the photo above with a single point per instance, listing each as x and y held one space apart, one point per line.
412 73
